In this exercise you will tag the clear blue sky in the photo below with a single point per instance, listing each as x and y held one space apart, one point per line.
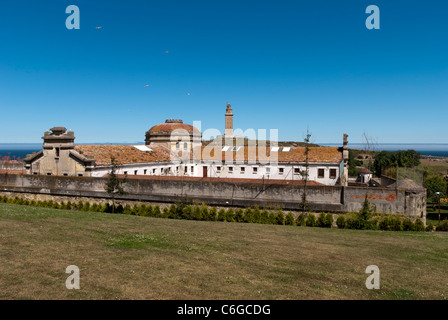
289 65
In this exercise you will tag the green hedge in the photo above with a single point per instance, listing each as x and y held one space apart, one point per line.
364 219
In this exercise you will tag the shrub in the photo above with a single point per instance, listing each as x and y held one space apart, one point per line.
197 213
239 215
256 215
329 220
300 220
172 212
149 211
390 223
165 212
205 214
418 225
311 220
120 209
187 212
213 214
429 227
289 220
408 225
264 217
156 212
248 216
271 217
127 209
230 215
222 215
340 222
280 217
442 226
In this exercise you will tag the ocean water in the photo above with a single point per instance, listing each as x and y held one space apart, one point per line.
427 149
20 150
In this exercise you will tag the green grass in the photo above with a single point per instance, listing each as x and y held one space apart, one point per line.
132 257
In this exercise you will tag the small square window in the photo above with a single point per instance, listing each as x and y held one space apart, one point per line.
218 169
321 173
296 170
255 170
230 169
332 173
280 170
135 172
243 169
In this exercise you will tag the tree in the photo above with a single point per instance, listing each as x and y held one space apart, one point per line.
114 185
402 159
434 183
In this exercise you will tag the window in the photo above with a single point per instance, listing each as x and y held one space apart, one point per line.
321 173
154 171
254 170
230 169
185 169
57 152
185 146
243 170
135 172
218 169
48 173
296 170
144 171
34 172
79 174
177 145
192 169
332 173
280 170
125 172
268 170
65 174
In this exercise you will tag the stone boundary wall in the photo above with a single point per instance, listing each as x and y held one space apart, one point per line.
217 193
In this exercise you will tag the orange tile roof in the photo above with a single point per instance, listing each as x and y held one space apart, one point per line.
123 153
296 154
129 154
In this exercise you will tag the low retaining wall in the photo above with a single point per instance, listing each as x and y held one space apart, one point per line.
320 198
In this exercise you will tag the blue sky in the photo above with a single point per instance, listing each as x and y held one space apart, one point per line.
286 65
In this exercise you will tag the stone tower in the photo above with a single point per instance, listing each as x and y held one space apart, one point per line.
229 121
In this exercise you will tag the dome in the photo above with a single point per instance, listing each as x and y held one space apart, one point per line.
170 125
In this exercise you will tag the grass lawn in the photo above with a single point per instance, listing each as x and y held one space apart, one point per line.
131 257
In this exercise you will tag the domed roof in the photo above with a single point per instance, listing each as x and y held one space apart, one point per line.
170 125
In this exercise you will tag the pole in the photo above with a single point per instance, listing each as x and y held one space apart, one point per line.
439 207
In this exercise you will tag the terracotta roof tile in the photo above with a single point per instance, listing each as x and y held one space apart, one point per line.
123 153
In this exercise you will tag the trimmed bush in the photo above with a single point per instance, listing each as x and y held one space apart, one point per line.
442 226
419 225
300 220
311 220
264 217
289 220
213 214
222 215
256 215
429 227
329 220
340 222
280 217
239 215
408 225
230 215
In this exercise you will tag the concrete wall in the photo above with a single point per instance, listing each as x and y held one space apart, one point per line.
321 198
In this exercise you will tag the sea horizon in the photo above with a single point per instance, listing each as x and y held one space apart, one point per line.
20 150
